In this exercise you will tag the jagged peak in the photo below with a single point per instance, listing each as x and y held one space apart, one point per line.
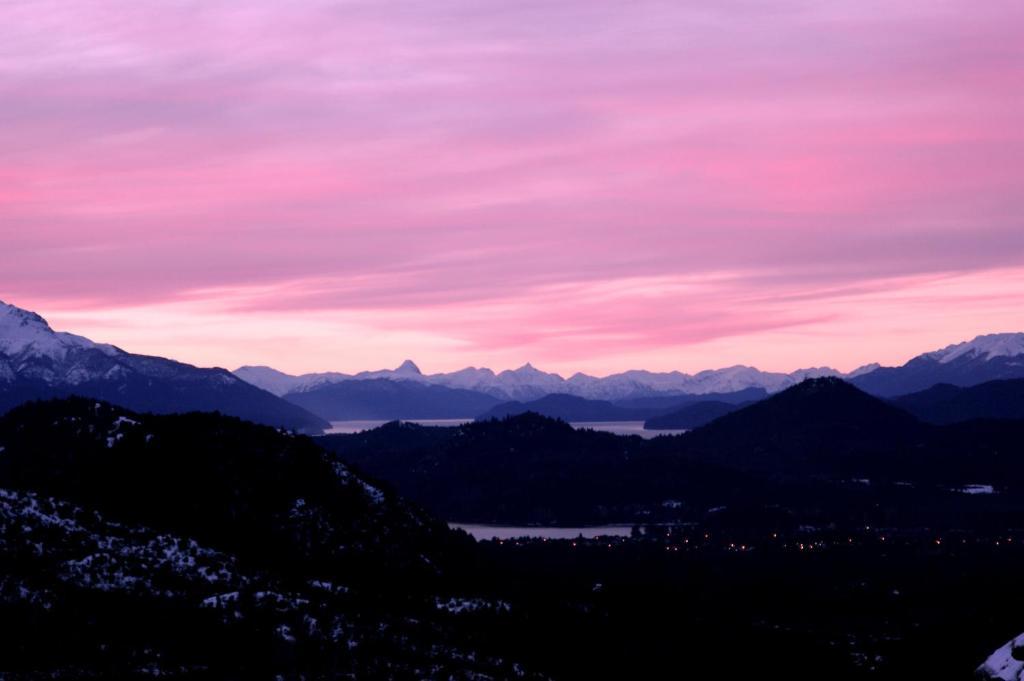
408 367
12 316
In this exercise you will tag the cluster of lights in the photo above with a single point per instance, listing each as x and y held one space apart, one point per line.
807 545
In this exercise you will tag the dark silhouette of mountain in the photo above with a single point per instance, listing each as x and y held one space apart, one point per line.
230 483
691 416
567 408
798 449
810 427
578 409
946 403
203 546
39 363
828 429
986 358
664 404
530 469
390 399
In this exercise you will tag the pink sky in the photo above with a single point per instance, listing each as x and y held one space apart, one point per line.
584 184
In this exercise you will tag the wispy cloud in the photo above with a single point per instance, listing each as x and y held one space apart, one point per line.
599 183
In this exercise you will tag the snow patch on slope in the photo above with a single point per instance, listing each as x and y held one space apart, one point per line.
986 347
1003 664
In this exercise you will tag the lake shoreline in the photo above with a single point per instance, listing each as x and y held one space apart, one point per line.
624 428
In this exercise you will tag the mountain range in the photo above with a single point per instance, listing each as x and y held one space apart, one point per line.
406 392
529 383
37 362
985 358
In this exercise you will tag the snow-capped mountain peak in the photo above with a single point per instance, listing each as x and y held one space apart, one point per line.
985 347
25 333
37 362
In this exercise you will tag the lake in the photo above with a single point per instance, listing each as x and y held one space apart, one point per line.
624 428
617 427
485 532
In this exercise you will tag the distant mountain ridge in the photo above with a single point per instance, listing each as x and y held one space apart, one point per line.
692 416
567 408
379 398
37 362
985 358
529 383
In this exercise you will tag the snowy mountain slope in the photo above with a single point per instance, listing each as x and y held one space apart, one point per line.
983 347
26 335
37 362
986 358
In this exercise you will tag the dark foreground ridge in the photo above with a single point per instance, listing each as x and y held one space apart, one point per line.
202 545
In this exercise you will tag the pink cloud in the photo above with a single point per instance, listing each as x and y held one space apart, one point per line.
493 179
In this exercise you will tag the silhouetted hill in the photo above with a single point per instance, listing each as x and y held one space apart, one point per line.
245 488
203 546
946 403
798 455
663 404
390 399
809 427
577 409
567 408
530 468
691 416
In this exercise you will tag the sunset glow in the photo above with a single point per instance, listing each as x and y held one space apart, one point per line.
586 185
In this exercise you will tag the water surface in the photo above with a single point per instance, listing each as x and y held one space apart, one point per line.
624 428
485 532
348 427
616 427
